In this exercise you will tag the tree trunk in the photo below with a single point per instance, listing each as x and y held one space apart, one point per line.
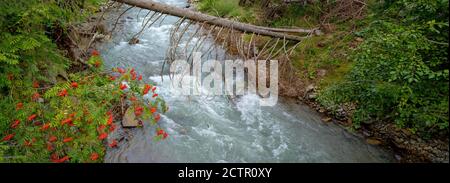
199 17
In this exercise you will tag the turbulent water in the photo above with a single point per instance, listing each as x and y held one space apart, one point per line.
214 129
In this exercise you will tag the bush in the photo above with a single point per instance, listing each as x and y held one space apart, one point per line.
400 72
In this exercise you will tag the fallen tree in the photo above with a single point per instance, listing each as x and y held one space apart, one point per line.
222 22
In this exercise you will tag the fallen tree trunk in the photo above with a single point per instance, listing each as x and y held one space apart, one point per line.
200 17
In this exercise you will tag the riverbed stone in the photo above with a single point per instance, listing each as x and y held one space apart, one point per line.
129 119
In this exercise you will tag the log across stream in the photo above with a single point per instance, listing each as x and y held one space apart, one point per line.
213 129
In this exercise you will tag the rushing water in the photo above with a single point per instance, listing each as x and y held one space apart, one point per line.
205 129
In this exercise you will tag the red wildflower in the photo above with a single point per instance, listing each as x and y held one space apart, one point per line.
68 139
49 147
120 70
140 77
155 95
72 115
30 118
101 128
102 136
160 132
123 86
112 78
133 76
153 89
94 156
63 93
35 84
147 88
95 53
52 138
165 135
110 119
15 124
8 137
28 143
74 85
35 96
138 111
65 158
66 121
97 63
153 110
19 106
133 98
112 128
157 117
113 144
45 126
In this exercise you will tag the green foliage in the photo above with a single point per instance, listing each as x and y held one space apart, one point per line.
400 71
226 8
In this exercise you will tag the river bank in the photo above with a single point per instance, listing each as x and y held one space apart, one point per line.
407 146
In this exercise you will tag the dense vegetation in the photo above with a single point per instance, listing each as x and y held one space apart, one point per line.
48 114
397 71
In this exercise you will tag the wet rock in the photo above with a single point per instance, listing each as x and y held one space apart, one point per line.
133 41
327 120
373 141
129 119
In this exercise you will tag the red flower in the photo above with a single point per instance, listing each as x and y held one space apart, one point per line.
123 86
165 135
63 93
49 147
112 78
66 121
112 128
102 136
74 85
68 139
8 137
52 138
97 63
45 126
120 70
19 106
15 124
72 115
147 88
101 128
35 96
55 160
94 156
113 144
35 84
30 118
157 117
110 119
28 143
95 53
138 111
153 89
140 77
160 132
153 110
155 95
133 76
133 98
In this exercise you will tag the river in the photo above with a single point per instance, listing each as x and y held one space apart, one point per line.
214 129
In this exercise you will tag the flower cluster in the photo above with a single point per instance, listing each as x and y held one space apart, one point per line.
72 121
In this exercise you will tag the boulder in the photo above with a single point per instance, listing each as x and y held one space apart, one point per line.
129 119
